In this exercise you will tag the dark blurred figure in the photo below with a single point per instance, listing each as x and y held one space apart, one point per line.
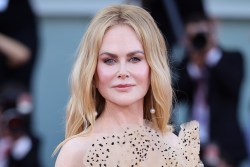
18 146
18 49
171 14
18 55
24 147
14 95
210 80
18 42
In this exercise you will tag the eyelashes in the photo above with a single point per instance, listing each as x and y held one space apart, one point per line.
134 59
111 61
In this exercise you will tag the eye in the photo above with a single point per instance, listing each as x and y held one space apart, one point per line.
134 59
109 61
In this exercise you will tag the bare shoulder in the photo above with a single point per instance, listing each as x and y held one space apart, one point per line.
72 152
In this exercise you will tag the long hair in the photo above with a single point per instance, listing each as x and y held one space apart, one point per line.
85 99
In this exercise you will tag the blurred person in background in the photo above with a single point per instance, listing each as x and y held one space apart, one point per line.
18 51
18 42
210 81
22 149
18 146
5 141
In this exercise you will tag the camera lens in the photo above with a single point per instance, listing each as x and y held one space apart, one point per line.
199 41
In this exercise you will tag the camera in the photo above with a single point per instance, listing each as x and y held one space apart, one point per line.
199 41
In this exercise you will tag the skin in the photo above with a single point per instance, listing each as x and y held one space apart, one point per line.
15 52
122 78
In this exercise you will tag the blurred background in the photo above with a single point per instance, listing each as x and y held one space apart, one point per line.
60 26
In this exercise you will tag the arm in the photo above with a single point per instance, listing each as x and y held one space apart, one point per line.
16 52
229 73
71 154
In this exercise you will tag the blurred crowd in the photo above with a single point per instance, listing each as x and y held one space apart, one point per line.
208 79
19 147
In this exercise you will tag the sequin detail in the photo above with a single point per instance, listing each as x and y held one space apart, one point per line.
143 146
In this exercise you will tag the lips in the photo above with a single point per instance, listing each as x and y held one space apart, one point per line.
123 86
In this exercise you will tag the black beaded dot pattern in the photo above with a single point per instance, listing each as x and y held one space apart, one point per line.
143 146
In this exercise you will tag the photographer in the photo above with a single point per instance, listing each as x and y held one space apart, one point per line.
23 147
210 81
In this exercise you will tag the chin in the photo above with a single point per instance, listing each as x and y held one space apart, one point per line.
125 102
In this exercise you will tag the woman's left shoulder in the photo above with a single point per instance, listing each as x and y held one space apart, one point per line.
186 144
188 131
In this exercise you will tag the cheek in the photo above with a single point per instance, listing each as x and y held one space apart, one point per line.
103 75
143 74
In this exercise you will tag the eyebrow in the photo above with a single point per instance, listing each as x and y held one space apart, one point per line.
115 56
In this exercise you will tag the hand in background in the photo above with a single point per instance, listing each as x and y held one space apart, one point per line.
15 52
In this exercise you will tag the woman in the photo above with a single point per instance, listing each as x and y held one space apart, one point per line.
121 98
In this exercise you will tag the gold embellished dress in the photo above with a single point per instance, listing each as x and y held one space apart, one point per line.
143 146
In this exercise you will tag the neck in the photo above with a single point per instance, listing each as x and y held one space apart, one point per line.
116 116
122 115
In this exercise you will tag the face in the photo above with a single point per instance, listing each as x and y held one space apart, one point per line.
122 74
198 36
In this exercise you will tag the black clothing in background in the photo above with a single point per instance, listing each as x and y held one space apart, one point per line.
30 160
18 21
224 84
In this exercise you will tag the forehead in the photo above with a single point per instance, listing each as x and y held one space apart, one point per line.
117 31
120 37
194 27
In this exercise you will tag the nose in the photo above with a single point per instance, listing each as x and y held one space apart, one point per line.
123 72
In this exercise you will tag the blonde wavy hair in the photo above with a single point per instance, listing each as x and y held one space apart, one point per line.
85 99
